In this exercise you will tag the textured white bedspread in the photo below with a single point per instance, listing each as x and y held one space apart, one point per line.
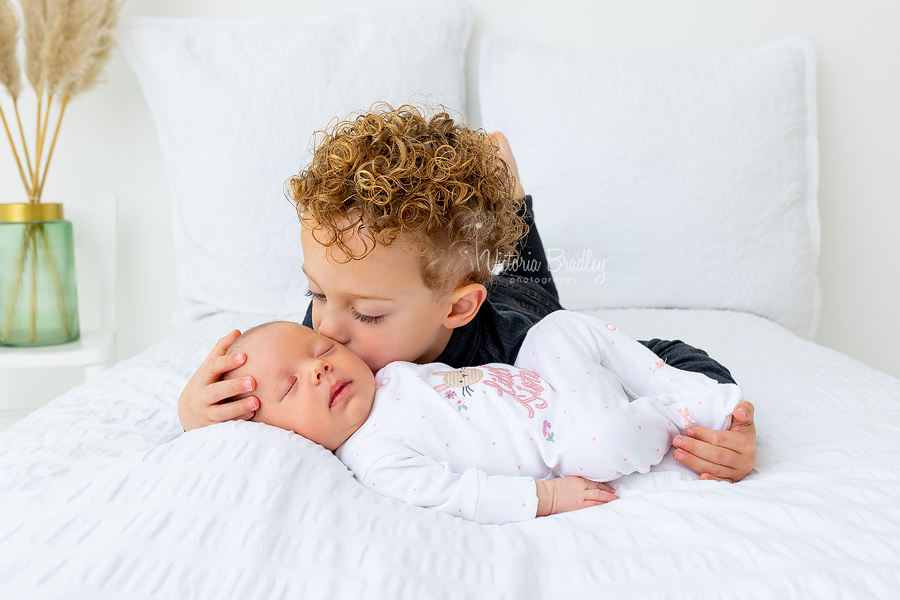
103 496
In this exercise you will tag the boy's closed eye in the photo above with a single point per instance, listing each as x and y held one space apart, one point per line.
367 319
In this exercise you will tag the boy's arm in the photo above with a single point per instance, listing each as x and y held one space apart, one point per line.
682 356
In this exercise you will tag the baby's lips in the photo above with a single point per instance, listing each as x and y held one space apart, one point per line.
336 388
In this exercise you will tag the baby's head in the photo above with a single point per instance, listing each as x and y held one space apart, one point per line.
306 383
404 217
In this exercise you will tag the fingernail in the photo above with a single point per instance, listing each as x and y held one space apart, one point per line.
239 357
690 432
252 405
677 455
248 384
677 441
742 412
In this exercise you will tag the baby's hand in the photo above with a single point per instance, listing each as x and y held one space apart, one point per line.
570 493
202 401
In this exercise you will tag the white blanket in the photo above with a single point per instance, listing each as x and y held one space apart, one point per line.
103 496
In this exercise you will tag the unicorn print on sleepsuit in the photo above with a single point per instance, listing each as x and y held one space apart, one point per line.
561 410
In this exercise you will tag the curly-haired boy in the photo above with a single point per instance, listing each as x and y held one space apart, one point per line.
405 218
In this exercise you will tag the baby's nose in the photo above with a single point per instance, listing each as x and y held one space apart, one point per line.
320 369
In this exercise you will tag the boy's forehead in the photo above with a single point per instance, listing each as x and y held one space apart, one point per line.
378 275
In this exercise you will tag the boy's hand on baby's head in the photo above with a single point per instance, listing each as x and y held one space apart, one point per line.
565 494
203 401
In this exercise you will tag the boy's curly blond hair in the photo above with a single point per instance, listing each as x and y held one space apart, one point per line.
394 172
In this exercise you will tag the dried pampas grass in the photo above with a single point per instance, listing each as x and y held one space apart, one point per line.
10 70
79 32
67 45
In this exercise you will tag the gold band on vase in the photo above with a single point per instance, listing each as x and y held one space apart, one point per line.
23 213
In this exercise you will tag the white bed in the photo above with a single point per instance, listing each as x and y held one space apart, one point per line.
104 496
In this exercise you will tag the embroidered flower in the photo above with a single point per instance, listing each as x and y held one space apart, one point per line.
548 435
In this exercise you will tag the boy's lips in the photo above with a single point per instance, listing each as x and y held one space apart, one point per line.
339 392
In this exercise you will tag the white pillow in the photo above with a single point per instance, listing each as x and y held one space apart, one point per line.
689 180
236 102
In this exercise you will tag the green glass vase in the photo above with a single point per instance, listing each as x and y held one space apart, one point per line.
38 301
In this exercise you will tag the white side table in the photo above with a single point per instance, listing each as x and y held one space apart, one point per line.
95 235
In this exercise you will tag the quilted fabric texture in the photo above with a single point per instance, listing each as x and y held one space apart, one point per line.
103 496
668 181
236 102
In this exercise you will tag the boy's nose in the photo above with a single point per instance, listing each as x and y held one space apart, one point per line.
330 327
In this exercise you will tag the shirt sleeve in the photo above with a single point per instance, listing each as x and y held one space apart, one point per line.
473 495
687 358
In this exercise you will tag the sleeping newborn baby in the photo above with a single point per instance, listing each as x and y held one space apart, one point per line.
496 443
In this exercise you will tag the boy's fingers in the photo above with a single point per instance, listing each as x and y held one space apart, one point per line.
223 390
740 442
219 365
223 343
743 414
236 409
701 465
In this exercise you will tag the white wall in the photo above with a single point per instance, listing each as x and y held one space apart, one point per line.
108 143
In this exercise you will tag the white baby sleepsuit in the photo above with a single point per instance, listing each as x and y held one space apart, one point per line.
470 442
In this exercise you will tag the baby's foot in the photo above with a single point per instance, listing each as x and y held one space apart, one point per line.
507 156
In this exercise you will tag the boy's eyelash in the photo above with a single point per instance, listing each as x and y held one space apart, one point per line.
366 319
356 315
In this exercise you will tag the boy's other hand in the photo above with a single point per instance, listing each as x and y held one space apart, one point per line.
721 455
203 403
570 493
507 156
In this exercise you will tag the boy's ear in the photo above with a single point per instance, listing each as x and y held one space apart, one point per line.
465 301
